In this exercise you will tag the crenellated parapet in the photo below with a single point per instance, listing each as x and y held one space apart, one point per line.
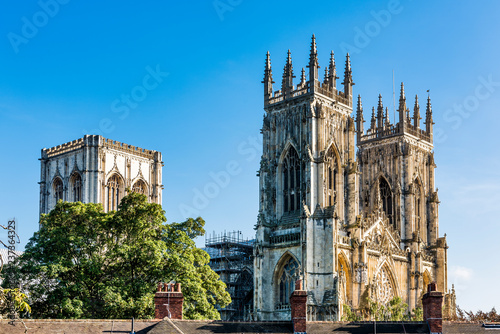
382 128
311 85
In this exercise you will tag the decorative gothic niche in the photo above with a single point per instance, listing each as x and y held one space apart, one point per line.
287 274
291 181
76 187
114 189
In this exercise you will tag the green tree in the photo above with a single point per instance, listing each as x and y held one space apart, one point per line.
394 310
85 263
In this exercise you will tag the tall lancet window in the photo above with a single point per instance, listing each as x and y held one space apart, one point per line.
58 189
76 187
420 225
115 192
387 200
291 181
332 177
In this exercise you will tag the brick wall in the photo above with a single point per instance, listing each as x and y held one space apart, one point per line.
298 301
432 303
169 301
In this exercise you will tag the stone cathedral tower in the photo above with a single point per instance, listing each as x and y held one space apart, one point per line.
94 169
352 226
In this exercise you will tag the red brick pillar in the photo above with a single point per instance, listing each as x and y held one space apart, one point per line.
168 301
432 303
298 301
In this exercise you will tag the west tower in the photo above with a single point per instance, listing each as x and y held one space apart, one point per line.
353 225
308 186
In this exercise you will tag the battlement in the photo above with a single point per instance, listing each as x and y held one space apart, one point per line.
96 140
311 85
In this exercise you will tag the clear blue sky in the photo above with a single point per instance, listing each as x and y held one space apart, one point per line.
64 75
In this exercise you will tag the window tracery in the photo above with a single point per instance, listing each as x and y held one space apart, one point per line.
384 290
115 192
140 187
286 283
76 187
387 200
58 189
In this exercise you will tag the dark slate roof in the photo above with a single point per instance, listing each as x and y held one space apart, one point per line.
315 327
208 327
469 328
381 327
86 326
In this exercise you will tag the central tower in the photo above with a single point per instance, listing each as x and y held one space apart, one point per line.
307 186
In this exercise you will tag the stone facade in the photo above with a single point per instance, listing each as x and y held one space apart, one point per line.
352 224
94 169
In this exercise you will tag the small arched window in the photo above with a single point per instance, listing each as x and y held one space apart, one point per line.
140 187
387 200
286 283
291 181
76 187
115 192
58 189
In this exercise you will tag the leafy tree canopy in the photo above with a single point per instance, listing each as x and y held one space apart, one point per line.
85 263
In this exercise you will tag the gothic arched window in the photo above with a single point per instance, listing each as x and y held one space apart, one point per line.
140 187
291 181
58 188
286 283
387 200
332 177
115 192
76 187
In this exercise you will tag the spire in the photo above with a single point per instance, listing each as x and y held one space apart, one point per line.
268 79
402 106
313 64
373 124
380 113
416 114
348 77
428 117
287 82
359 119
325 79
387 120
332 69
303 77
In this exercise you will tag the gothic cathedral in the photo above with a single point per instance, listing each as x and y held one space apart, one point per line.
353 224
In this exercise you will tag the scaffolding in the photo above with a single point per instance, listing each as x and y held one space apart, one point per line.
231 257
